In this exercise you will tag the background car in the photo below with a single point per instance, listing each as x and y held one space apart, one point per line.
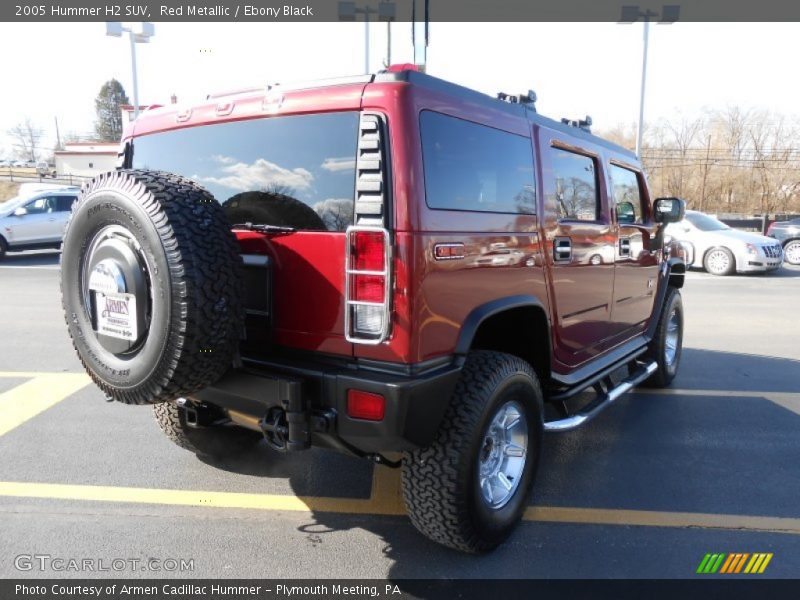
788 234
721 250
35 220
45 169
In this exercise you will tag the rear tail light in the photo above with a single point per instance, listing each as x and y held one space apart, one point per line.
368 285
365 405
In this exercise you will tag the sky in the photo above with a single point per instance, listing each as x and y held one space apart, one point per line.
53 70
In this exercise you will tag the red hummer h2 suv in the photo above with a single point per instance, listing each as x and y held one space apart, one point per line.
391 266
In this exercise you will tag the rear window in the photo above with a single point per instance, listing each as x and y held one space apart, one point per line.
475 168
296 171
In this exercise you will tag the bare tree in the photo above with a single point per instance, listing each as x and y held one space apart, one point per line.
26 137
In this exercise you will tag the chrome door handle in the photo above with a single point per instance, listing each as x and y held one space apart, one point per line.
562 249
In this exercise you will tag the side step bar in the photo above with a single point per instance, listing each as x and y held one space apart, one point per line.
604 399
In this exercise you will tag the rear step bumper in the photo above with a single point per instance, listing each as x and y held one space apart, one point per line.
604 399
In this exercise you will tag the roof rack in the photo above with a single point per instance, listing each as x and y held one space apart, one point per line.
583 124
528 99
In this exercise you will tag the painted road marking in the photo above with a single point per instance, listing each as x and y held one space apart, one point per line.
44 390
384 503
28 399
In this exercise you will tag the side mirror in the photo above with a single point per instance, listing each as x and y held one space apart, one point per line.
669 210
21 212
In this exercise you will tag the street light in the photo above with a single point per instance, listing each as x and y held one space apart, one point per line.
140 34
631 14
348 11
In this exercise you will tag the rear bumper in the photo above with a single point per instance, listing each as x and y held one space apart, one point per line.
415 401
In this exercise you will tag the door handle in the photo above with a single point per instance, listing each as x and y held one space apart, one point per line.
624 246
562 249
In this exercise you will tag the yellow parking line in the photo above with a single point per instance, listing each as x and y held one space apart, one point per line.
378 506
647 518
28 399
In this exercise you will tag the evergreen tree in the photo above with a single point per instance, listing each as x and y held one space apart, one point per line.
108 126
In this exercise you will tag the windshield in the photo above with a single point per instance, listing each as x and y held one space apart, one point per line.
12 204
705 222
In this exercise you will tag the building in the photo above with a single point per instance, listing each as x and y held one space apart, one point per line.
86 158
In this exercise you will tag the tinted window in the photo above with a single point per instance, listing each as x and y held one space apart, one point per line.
42 205
477 168
296 171
64 203
576 185
627 195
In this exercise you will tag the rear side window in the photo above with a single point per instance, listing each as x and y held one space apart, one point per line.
294 171
64 203
475 168
576 185
627 195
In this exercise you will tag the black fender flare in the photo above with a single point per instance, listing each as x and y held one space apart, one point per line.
667 281
482 312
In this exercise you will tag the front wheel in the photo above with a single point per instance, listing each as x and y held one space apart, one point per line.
791 251
667 344
468 490
719 261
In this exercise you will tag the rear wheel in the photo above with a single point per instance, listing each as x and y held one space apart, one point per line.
468 490
666 347
151 286
719 261
215 439
791 252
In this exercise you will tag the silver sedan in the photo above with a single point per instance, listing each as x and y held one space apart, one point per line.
721 250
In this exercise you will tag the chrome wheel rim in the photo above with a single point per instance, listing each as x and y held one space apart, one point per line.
792 253
672 337
502 455
718 261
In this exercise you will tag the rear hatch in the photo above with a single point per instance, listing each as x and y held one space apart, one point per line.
292 171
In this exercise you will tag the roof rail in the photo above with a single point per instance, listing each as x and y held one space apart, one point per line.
584 124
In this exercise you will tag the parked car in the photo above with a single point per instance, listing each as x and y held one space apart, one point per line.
722 250
4 163
788 234
372 266
18 163
36 220
45 169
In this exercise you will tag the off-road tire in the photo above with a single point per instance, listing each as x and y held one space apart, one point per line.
440 483
194 275
220 440
665 370
268 208
731 268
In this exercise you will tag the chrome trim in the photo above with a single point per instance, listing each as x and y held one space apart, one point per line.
349 333
569 423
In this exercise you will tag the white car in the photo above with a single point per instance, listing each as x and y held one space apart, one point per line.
35 220
721 250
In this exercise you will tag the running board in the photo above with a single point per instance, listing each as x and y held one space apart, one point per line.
602 402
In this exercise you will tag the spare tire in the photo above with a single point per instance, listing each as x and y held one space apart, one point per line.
151 286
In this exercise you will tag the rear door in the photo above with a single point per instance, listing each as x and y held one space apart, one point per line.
636 264
580 244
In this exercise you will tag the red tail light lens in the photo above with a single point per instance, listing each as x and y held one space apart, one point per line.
368 251
365 405
369 288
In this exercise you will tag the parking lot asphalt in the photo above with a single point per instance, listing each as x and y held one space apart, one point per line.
645 490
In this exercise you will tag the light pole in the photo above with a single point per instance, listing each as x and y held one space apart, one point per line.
631 14
141 34
349 10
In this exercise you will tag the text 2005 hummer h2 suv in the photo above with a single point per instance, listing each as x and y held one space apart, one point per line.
378 265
